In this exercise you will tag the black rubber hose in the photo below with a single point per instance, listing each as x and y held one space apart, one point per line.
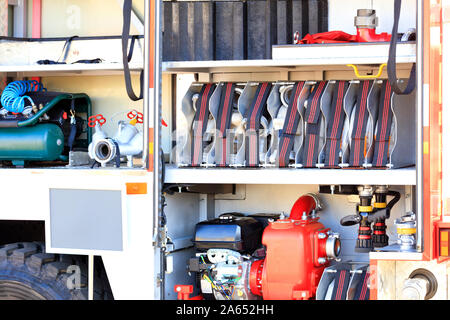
396 198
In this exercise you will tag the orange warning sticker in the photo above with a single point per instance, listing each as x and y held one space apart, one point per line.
136 188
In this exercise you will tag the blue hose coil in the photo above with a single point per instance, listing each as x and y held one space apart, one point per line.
13 97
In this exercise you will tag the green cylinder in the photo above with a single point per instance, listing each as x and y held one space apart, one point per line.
41 142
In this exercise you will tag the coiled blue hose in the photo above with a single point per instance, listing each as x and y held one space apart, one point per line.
13 97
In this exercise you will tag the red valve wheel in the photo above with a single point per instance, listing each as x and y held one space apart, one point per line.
98 118
133 114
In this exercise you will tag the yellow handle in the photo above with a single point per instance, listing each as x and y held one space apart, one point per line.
355 69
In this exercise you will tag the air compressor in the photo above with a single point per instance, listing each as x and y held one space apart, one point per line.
41 126
264 256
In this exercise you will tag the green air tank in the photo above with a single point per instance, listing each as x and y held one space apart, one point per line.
40 142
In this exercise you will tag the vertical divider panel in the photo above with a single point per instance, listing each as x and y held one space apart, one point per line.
244 102
402 148
184 127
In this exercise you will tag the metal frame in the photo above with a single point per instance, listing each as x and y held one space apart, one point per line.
445 111
20 17
419 127
432 124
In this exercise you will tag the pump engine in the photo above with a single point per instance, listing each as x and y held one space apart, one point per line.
264 256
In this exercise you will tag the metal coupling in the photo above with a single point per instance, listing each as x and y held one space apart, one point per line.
333 246
366 18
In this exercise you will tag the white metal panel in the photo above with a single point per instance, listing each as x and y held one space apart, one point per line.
87 181
132 273
27 190
341 14
87 219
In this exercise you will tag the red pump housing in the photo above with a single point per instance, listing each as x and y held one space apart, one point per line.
297 252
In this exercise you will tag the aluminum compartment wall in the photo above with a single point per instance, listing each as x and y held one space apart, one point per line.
236 30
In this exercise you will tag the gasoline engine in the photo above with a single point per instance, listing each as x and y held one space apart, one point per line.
264 256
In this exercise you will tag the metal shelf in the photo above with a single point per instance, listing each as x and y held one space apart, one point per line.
302 58
18 57
74 172
405 176
68 69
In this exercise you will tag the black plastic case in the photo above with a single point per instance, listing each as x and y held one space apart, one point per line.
230 231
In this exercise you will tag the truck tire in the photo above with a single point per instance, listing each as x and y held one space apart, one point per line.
28 273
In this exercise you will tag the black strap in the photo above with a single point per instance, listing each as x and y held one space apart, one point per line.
200 123
95 164
47 62
66 47
392 64
88 61
130 52
127 7
358 144
341 282
335 125
117 159
73 126
223 121
362 288
291 122
313 121
62 55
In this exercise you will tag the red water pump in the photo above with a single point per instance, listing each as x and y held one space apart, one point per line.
298 250
248 257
